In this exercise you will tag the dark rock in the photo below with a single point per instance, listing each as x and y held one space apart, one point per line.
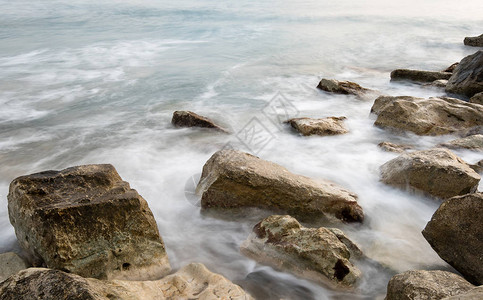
451 68
474 41
190 119
322 127
345 88
418 75
477 98
467 78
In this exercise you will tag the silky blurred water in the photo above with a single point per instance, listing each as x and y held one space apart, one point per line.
86 82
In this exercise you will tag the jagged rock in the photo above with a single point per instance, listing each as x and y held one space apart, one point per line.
87 221
391 147
456 234
474 294
467 79
234 179
190 119
474 41
437 172
472 142
322 127
313 253
10 263
191 282
477 98
451 68
433 116
418 75
421 284
345 88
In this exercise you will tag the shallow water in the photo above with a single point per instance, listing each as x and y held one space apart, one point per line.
97 82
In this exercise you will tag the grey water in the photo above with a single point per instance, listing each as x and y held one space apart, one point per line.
85 82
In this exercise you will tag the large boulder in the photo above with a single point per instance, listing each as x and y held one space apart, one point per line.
474 294
437 172
182 118
344 88
87 221
191 282
313 253
420 284
433 116
234 179
477 98
10 263
322 127
467 79
419 76
456 233
472 142
474 41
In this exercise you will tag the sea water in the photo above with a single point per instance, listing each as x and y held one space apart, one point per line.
84 82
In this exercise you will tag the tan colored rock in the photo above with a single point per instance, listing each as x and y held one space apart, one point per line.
472 142
418 75
441 83
322 127
433 116
456 234
87 221
467 78
477 99
10 263
345 88
191 282
391 147
474 41
234 179
190 119
421 284
478 167
474 294
437 172
312 253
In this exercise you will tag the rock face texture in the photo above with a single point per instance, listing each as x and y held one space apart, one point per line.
467 78
477 98
190 119
456 234
472 142
313 253
418 75
234 179
344 88
474 294
10 263
87 221
437 172
474 41
322 127
433 116
391 147
191 282
412 285
451 68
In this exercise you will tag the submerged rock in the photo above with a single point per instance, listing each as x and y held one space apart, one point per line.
87 221
433 116
456 234
421 284
437 172
467 79
234 179
477 98
190 119
10 263
322 127
314 253
391 147
472 142
191 282
419 76
344 87
474 41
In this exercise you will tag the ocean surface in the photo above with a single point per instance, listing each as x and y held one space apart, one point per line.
85 82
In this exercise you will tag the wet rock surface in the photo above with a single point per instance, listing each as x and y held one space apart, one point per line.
467 78
190 119
419 76
322 127
474 41
345 88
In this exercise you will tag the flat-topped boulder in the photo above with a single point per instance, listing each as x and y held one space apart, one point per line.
477 98
422 284
419 75
344 88
194 281
182 118
437 172
392 147
474 41
317 254
456 234
467 78
10 263
322 127
234 179
472 142
87 220
433 116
